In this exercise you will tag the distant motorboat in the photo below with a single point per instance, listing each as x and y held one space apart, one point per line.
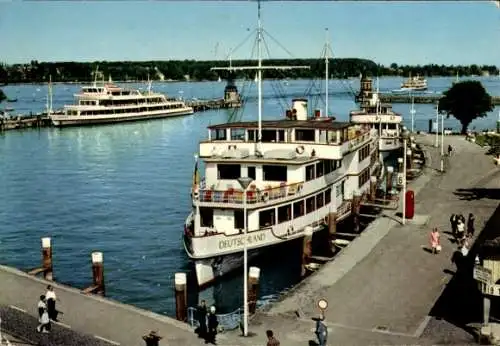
11 100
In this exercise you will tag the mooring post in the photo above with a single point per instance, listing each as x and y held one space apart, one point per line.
98 273
355 209
47 259
373 188
332 228
180 281
306 248
388 181
253 288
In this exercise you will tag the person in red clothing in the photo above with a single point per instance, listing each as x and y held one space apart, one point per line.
435 241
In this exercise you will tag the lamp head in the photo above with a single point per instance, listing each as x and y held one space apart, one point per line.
244 182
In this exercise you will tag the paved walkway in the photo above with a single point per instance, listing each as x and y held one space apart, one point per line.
380 289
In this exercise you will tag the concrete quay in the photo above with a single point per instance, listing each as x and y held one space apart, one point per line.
381 289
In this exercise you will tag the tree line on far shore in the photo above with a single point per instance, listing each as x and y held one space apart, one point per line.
39 72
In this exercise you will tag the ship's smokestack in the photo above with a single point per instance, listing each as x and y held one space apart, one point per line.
300 107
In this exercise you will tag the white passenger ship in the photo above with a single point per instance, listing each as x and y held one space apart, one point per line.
108 103
417 83
303 169
379 116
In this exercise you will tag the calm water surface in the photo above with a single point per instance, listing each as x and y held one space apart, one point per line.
124 189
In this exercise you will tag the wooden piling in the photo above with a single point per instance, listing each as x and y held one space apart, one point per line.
98 273
47 259
409 160
306 248
253 288
388 180
332 229
373 188
355 209
180 282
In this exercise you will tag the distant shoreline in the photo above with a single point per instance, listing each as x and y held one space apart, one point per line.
89 82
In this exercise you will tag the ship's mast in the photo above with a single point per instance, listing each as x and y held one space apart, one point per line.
327 58
259 71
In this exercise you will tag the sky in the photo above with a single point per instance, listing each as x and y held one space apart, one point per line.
413 33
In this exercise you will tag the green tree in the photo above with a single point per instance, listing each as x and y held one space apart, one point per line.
466 101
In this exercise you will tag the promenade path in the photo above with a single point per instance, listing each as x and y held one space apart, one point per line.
380 289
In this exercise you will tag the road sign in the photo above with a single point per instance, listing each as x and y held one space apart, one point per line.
482 274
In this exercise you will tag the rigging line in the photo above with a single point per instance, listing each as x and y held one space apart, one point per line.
235 49
281 98
279 44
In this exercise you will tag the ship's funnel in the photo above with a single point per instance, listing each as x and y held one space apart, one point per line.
300 106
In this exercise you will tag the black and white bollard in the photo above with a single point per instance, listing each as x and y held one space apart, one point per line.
253 288
180 282
98 273
47 259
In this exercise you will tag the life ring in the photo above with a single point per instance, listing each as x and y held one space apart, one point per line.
265 196
299 150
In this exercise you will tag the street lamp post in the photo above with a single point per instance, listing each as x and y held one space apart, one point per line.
245 183
405 154
412 112
436 144
442 142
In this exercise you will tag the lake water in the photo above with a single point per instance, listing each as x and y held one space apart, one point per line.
124 189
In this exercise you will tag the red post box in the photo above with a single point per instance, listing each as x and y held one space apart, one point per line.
409 204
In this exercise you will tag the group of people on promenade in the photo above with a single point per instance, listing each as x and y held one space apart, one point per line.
462 232
208 323
47 311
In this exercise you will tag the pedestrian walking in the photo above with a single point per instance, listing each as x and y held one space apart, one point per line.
201 312
42 306
44 320
460 232
212 327
152 339
450 150
453 223
321 330
271 340
435 241
51 303
470 225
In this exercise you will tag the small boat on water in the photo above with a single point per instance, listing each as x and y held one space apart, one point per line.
11 100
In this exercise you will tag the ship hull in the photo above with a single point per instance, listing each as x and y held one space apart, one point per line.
62 121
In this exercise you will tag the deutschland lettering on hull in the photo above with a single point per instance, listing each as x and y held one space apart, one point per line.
238 242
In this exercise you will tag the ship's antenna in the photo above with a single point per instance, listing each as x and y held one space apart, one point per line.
95 75
149 85
259 71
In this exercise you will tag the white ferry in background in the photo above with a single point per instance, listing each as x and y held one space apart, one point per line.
378 116
108 103
417 83
303 169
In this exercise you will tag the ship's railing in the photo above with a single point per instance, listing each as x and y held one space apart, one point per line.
358 140
344 209
233 196
229 321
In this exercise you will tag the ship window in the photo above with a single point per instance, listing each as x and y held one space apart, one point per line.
298 209
304 135
332 136
238 134
363 177
274 173
268 135
329 166
281 135
338 163
309 172
266 218
319 169
320 200
285 213
328 196
251 172
252 135
228 171
206 217
239 222
310 204
218 134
